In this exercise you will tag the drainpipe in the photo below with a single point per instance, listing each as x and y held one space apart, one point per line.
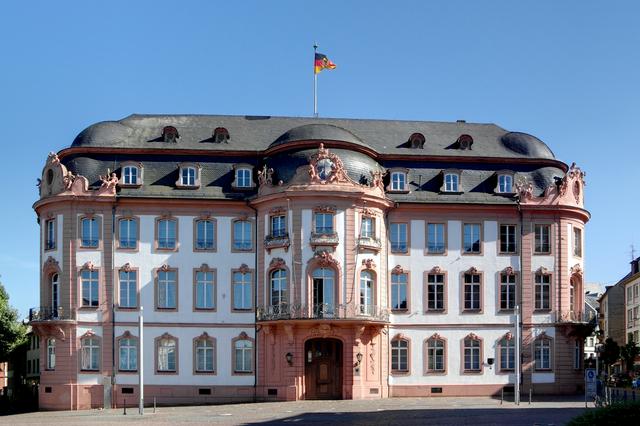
386 255
255 301
113 303
518 313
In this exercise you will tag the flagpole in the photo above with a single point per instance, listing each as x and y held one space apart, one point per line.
315 82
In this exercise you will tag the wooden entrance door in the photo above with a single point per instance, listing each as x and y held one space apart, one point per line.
323 369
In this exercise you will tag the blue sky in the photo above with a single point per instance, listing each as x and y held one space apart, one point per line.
566 72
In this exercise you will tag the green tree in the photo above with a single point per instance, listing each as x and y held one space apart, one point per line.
628 354
12 331
610 352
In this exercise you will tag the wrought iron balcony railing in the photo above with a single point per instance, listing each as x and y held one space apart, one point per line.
47 313
348 311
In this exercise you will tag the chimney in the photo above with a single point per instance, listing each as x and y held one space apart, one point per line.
634 266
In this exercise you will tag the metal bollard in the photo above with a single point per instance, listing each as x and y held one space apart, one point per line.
154 404
501 396
530 393
125 407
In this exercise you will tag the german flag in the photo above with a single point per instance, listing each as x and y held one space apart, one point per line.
322 62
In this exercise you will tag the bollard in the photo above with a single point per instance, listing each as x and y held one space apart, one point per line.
530 392
125 407
501 396
154 404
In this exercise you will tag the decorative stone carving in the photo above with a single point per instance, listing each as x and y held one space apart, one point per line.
205 268
51 263
508 271
576 269
400 336
472 336
472 270
543 271
397 270
322 330
277 263
524 189
566 190
324 258
508 336
164 268
327 208
277 211
127 335
89 266
126 267
52 158
436 270
369 263
377 179
109 181
243 335
88 333
337 172
244 268
436 336
288 329
265 176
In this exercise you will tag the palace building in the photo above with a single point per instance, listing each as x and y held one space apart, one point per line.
281 258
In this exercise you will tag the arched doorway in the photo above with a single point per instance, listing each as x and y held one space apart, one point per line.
323 369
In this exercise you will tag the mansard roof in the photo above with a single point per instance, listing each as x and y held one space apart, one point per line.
259 133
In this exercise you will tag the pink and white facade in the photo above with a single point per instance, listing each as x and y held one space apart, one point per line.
291 258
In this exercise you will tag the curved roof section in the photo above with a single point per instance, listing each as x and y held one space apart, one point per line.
258 133
322 132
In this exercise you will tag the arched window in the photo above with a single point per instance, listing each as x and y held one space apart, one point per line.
243 356
507 348
399 355
204 354
278 280
323 288
128 353
472 348
366 292
90 347
436 355
543 351
167 354
205 234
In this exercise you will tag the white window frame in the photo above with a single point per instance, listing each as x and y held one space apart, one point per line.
505 183
50 234
451 182
243 356
92 240
128 289
243 176
398 181
205 356
205 290
240 240
241 288
167 287
90 354
399 350
128 346
90 288
278 292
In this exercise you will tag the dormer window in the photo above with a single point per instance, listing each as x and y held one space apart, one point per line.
398 181
188 175
505 182
170 134
131 174
465 142
220 135
451 181
416 141
243 176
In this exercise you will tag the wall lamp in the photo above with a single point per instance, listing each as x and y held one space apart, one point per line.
289 357
358 359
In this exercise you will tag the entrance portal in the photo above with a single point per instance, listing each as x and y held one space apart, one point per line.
323 369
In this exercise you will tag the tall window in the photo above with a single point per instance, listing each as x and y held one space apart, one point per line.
471 355
507 291
435 238
398 237
399 291
451 182
324 223
543 291
323 292
367 229
542 353
242 290
242 238
507 238
435 355
188 176
471 238
130 175
243 178
507 354
472 292
577 242
167 234
398 181
166 355
366 292
435 292
204 356
243 356
90 235
128 289
128 233
572 296
399 355
205 290
128 354
51 354
205 235
90 347
278 226
167 290
90 293
542 238
50 234
505 184
55 294
279 294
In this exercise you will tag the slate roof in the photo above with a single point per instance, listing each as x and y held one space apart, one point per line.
250 137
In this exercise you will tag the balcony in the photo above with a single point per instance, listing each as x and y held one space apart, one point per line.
323 239
47 313
369 243
281 240
323 311
568 317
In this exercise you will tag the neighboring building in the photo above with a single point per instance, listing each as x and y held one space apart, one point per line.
591 309
300 258
33 359
612 313
632 303
4 377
